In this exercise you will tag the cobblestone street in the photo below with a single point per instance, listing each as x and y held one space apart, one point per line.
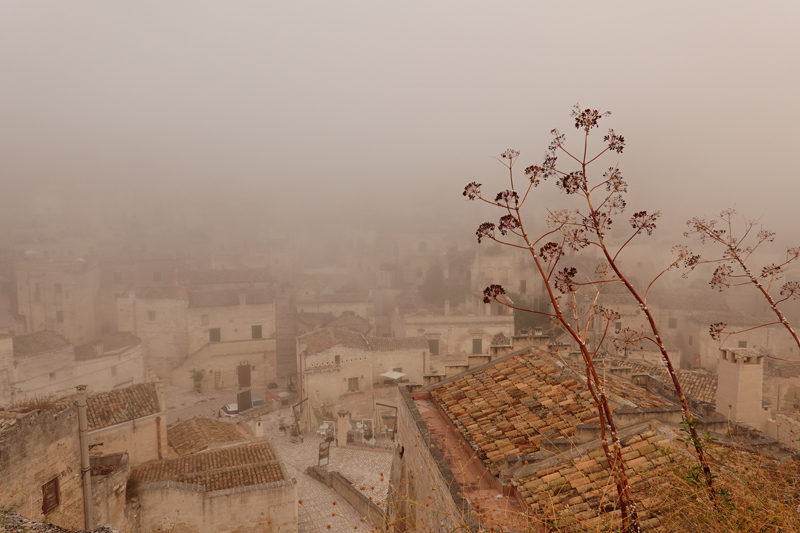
362 467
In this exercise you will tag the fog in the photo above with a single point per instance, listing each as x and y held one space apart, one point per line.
379 114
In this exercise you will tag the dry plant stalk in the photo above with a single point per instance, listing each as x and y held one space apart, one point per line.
738 248
576 230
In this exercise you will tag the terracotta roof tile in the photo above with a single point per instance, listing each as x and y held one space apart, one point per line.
229 297
698 384
240 466
388 344
351 322
197 433
239 275
159 292
324 339
350 297
109 343
511 406
121 405
572 493
38 342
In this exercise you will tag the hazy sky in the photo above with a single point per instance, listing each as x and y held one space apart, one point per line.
332 105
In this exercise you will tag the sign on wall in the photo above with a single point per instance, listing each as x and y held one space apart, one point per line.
324 453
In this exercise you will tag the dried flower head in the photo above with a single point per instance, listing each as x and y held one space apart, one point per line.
492 292
485 230
472 190
642 221
716 330
616 143
564 281
586 119
507 223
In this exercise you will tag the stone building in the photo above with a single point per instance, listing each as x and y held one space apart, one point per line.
342 367
129 420
243 488
453 334
40 463
60 296
45 363
209 331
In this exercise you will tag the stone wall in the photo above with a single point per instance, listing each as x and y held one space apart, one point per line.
366 507
139 438
218 362
423 492
233 321
70 287
42 446
183 508
108 490
456 333
165 339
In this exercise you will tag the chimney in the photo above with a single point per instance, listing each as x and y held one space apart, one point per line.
740 380
446 307
86 469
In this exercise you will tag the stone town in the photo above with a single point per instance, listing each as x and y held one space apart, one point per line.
248 391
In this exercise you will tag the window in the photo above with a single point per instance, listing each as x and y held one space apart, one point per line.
36 294
256 330
352 384
523 286
58 287
117 277
50 496
156 276
742 344
60 317
477 346
337 359
151 315
214 335
400 369
691 340
52 376
203 320
433 345
673 323
618 326
113 370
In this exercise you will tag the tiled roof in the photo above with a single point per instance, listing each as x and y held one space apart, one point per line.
730 318
388 344
227 468
509 407
572 494
197 433
160 292
229 297
239 275
326 338
121 405
351 322
698 384
349 297
38 342
316 320
109 343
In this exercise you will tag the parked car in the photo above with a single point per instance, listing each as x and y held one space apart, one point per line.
231 410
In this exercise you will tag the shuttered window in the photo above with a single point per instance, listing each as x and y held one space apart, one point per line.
50 499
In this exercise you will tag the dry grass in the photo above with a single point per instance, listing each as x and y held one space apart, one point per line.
45 402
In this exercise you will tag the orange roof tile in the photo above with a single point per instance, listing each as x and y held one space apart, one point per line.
240 466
